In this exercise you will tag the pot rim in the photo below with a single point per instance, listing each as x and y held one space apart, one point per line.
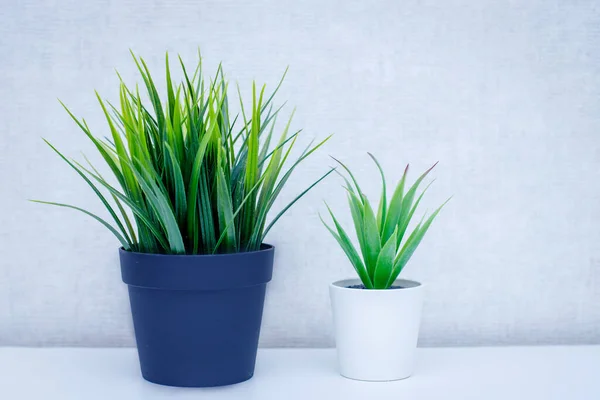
197 271
264 247
343 283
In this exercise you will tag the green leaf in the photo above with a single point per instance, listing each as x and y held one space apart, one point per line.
385 263
411 244
358 191
395 208
357 212
161 206
403 223
98 193
225 211
235 214
371 238
119 147
194 184
124 242
138 211
101 149
170 93
259 232
346 245
407 201
119 206
291 203
180 197
382 209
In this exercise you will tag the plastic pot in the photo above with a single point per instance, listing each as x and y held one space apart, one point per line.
197 318
376 331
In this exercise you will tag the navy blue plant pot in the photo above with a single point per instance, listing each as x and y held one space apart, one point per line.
197 317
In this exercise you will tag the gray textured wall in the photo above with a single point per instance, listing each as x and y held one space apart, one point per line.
505 94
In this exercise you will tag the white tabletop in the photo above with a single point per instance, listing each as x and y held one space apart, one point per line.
509 373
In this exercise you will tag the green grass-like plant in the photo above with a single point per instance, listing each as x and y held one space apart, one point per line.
385 244
195 180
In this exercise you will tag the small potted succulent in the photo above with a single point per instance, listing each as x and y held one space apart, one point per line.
194 189
377 317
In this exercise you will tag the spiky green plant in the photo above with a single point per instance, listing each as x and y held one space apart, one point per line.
384 244
194 181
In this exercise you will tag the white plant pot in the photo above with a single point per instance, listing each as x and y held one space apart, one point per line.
376 331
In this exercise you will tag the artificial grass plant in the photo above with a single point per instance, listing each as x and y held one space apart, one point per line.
384 241
195 180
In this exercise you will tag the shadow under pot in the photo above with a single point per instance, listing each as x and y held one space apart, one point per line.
376 331
197 318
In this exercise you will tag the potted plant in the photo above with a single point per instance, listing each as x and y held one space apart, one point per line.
190 210
377 317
